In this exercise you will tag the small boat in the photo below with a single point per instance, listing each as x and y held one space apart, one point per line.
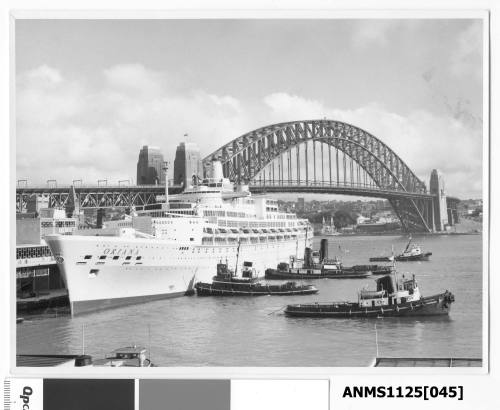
317 265
414 253
130 356
329 230
382 259
411 253
226 283
393 297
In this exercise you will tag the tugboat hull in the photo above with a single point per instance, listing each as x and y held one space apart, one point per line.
410 258
275 274
353 272
436 305
381 259
374 269
206 289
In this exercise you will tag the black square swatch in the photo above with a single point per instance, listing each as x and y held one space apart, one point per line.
88 394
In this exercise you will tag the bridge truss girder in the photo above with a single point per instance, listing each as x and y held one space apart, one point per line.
97 197
246 156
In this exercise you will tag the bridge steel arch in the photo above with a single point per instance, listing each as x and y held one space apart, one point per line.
245 157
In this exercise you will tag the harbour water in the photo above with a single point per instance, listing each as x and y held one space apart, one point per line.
205 331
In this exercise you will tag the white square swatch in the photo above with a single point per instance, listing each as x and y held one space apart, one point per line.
279 394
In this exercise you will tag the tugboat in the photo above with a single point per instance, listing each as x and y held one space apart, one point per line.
411 253
317 265
226 283
393 297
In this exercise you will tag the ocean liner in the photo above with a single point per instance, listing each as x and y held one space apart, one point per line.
160 253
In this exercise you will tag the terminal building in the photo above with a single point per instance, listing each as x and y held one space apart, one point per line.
149 166
187 164
37 274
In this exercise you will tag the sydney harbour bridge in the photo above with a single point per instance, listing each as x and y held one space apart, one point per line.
305 157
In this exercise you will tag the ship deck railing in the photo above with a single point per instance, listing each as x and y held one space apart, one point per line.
317 305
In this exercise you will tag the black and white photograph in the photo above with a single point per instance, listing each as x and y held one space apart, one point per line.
251 192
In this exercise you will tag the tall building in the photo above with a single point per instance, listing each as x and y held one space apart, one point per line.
301 205
149 167
187 164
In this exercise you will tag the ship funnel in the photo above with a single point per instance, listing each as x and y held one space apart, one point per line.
217 170
323 250
242 188
308 261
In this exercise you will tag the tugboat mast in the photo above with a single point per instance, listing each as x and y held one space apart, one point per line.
408 245
237 257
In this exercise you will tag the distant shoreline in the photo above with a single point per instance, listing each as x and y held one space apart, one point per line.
398 234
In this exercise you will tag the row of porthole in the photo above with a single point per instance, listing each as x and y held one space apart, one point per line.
221 250
116 257
184 248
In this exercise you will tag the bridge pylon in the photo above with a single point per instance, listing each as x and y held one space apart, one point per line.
440 207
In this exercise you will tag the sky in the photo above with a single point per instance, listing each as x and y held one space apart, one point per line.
91 93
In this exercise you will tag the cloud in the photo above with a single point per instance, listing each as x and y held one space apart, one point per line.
463 65
466 59
45 97
67 130
294 106
372 32
134 78
44 75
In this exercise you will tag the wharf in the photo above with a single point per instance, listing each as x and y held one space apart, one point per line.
427 362
41 360
54 298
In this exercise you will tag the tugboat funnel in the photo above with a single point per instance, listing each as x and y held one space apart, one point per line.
323 250
308 262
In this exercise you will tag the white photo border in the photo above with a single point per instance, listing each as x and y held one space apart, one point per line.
257 372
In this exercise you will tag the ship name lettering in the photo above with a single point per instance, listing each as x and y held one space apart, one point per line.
121 251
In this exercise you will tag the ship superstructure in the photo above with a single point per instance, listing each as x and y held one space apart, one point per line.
159 253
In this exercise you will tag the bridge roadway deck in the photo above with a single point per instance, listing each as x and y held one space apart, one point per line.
256 188
338 189
157 189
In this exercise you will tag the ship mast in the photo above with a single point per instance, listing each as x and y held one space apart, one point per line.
165 170
394 269
408 245
237 257
305 240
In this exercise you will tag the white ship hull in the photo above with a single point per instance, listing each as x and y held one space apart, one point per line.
138 270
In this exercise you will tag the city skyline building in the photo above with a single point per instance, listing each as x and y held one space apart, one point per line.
149 166
187 163
300 204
